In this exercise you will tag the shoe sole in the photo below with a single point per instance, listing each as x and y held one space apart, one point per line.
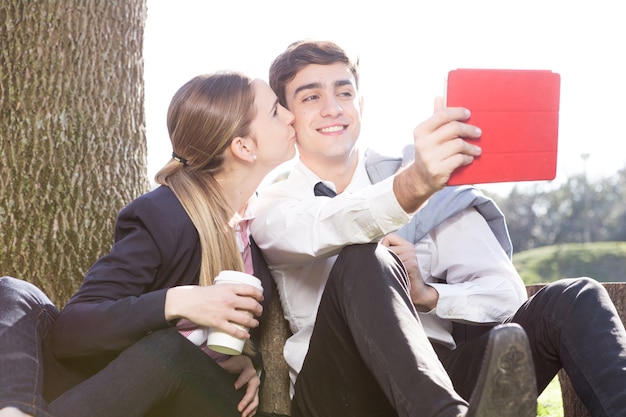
507 376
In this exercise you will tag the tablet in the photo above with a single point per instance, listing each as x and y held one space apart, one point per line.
518 113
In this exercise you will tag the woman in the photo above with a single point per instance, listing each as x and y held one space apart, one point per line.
116 349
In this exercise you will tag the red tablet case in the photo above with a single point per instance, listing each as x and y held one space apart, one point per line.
518 112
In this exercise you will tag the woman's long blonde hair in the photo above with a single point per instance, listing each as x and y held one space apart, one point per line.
204 116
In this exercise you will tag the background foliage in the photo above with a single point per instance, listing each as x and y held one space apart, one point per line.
575 229
578 211
603 261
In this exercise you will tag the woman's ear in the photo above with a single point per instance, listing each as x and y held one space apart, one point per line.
243 148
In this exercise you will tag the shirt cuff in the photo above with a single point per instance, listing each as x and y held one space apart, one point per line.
452 302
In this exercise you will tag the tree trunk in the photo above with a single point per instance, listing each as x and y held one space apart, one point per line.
274 396
72 131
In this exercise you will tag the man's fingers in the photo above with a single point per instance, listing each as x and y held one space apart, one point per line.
438 105
441 118
391 240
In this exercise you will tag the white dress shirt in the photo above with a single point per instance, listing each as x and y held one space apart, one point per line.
300 236
476 280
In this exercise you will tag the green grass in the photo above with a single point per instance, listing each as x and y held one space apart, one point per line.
550 402
603 261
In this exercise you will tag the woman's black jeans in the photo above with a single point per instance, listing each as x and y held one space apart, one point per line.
161 375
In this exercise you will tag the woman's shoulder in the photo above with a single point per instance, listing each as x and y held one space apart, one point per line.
161 194
159 206
159 197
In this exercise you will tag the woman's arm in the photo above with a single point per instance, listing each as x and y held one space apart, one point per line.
123 295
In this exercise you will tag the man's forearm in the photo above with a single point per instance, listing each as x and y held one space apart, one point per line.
410 190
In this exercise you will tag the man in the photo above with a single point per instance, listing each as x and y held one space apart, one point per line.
359 347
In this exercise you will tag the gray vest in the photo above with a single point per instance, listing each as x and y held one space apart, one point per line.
443 204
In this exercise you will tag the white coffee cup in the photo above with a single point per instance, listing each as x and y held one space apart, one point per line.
217 340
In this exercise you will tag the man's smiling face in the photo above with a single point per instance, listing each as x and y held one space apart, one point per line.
327 108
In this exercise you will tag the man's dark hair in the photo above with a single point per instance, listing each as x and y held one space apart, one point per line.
302 53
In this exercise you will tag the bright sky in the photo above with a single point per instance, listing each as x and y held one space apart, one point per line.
405 55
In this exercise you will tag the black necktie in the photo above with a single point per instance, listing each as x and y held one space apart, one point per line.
322 189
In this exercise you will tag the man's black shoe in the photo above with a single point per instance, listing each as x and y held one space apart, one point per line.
506 385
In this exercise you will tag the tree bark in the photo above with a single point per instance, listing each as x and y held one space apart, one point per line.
274 396
72 131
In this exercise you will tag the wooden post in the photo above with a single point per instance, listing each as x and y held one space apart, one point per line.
274 395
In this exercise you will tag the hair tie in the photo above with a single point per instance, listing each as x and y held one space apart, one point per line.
179 159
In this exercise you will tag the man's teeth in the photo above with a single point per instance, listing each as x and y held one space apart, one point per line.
331 129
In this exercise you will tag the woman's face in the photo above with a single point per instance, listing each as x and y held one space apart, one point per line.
272 127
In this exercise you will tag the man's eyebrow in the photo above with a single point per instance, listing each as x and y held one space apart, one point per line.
341 83
311 86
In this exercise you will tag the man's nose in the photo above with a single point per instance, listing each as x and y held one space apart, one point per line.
331 107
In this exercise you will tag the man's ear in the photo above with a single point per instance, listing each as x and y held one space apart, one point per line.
243 148
361 103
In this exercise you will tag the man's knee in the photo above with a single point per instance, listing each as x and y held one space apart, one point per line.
571 296
366 257
574 288
370 265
